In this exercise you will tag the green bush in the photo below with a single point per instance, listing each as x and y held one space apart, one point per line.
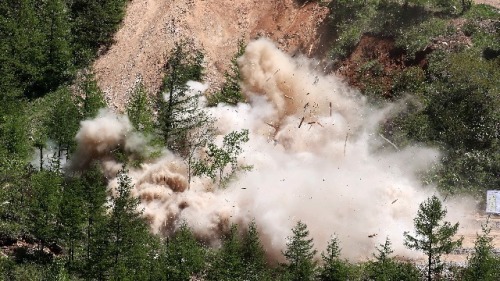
418 37
482 12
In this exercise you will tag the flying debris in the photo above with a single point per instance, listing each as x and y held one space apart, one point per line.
287 182
301 121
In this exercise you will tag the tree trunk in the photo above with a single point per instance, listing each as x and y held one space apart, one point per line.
41 157
429 271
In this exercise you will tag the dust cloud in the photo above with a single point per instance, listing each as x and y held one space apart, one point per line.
316 157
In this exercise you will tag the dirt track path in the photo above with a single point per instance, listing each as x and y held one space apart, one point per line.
471 235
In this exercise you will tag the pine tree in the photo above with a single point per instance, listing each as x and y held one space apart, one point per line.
178 110
63 121
58 47
128 234
300 254
15 178
90 96
44 205
93 24
230 92
14 133
433 237
184 256
95 260
71 220
382 267
483 264
139 110
333 268
253 255
227 265
24 54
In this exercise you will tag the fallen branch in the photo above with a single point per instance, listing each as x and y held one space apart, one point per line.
345 142
387 140
301 120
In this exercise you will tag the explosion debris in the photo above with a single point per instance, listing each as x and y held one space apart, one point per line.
312 161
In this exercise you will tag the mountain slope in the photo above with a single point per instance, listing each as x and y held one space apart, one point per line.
151 27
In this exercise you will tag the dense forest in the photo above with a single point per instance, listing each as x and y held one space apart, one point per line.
61 223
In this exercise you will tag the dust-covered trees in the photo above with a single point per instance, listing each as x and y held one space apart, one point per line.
227 263
253 255
230 92
299 254
432 236
177 106
139 110
219 158
386 268
333 267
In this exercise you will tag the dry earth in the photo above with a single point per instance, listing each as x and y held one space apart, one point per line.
151 27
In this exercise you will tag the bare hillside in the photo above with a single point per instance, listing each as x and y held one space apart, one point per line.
151 27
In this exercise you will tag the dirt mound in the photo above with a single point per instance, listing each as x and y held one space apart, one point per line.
151 27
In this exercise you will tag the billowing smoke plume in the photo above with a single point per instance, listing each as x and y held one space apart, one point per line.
98 138
316 156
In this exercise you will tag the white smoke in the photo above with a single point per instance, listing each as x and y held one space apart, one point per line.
99 137
316 157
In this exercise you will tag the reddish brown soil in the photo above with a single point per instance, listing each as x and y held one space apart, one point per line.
377 51
151 27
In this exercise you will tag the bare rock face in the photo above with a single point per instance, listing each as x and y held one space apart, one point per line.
151 28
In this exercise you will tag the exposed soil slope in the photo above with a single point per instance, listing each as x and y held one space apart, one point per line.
151 27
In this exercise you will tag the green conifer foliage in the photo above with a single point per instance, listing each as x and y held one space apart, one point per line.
139 110
184 257
433 237
44 205
179 111
90 96
385 268
333 267
95 243
128 234
253 255
300 254
227 264
63 121
230 92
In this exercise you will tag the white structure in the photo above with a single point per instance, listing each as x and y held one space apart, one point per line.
493 202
